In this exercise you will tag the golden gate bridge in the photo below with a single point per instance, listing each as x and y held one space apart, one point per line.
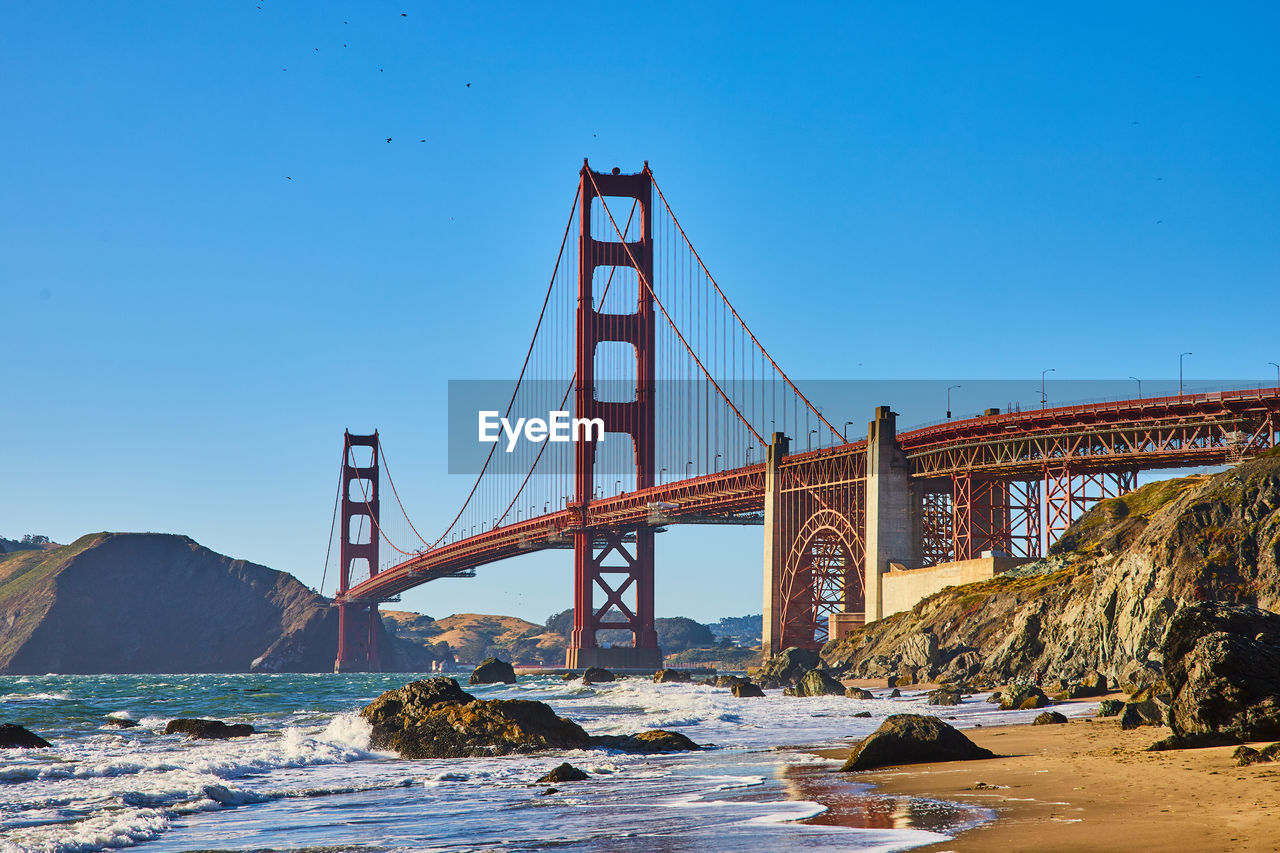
700 423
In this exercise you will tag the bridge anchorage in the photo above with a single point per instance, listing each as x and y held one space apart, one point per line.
634 327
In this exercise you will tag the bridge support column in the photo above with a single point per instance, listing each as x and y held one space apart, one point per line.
601 556
358 621
774 547
892 533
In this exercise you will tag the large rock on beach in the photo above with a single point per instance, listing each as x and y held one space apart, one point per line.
913 739
788 666
14 736
1023 697
493 671
207 729
746 690
1222 667
816 682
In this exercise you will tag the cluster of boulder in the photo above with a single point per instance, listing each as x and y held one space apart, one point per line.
435 718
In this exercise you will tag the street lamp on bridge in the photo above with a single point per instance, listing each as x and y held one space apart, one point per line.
1277 367
1044 397
949 387
1139 381
1180 357
812 433
716 463
847 424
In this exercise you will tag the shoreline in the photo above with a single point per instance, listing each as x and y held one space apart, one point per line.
1085 785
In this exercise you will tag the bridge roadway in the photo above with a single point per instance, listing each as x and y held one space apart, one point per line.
1166 432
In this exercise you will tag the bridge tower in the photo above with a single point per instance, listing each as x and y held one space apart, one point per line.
358 621
617 560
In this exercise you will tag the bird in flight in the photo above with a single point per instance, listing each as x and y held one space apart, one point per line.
388 138
468 85
287 178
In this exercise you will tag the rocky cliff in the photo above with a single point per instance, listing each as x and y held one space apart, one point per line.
146 602
1103 598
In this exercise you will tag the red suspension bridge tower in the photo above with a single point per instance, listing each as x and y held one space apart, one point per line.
358 621
618 560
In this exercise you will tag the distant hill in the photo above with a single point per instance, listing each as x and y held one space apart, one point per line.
745 630
475 636
150 602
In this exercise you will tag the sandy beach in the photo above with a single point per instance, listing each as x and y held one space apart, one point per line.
1088 785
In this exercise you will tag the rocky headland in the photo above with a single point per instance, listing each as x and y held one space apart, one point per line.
154 603
1101 604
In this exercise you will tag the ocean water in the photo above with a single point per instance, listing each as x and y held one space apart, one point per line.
309 779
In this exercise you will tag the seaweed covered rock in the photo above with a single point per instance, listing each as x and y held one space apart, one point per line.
913 739
14 736
816 682
1110 708
1222 667
207 729
493 671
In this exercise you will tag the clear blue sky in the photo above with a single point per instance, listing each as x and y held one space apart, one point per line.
212 262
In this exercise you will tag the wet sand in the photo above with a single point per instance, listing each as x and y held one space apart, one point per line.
1080 786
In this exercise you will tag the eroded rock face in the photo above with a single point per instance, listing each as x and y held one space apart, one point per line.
1103 600
493 671
14 736
1222 667
207 729
913 739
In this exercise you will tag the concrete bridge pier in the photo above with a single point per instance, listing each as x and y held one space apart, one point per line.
774 548
893 526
